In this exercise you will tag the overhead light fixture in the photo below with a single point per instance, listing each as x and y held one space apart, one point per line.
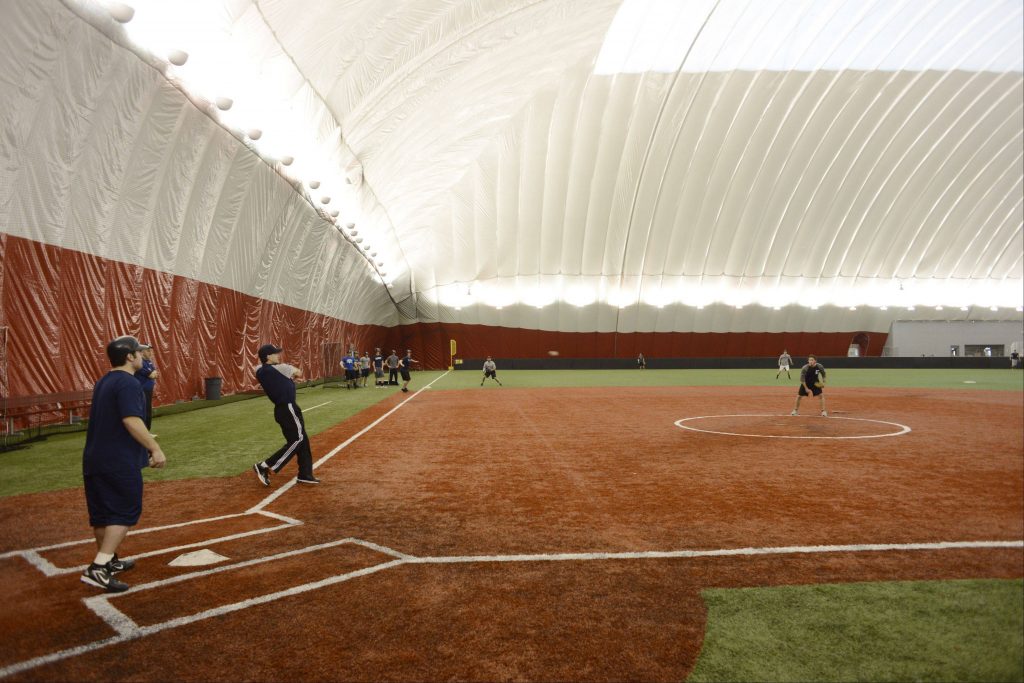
254 133
325 200
334 213
313 184
777 308
910 308
993 308
853 308
938 308
353 232
225 103
350 225
121 12
884 308
963 308
287 161
177 57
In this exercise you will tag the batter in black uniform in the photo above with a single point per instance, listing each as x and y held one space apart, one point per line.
812 383
280 390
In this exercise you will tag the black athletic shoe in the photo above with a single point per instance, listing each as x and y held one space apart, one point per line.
405 389
307 480
116 565
262 473
98 575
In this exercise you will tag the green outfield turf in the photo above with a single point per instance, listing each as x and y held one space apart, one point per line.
892 631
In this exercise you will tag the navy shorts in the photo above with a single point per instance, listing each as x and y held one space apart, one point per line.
816 391
405 375
114 498
490 373
350 374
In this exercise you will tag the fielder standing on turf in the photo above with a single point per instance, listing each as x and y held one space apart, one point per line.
280 389
784 362
812 382
490 370
404 366
117 446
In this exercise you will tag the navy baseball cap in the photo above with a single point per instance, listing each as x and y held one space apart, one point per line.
268 349
118 348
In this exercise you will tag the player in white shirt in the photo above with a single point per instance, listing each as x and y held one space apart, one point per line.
490 370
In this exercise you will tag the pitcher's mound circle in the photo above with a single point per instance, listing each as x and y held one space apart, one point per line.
810 426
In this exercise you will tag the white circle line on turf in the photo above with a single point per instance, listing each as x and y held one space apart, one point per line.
904 429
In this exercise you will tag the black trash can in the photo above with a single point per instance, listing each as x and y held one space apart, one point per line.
213 388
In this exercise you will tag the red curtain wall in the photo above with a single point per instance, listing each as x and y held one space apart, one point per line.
61 307
430 343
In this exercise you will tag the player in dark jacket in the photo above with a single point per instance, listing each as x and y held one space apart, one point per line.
280 389
812 383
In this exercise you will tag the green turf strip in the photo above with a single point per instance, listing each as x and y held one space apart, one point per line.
896 631
219 441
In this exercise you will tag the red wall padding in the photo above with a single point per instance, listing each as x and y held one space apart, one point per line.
430 343
61 307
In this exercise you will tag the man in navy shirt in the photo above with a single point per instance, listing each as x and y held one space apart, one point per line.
281 392
378 367
147 375
405 365
117 447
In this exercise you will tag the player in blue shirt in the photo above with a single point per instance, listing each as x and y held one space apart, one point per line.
404 366
117 447
281 392
348 362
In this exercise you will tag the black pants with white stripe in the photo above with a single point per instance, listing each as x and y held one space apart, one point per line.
289 417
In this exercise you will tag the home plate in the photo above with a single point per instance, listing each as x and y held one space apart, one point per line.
197 559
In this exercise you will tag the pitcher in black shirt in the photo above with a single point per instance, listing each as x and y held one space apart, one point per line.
280 389
812 383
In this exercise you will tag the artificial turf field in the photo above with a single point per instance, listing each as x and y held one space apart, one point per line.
773 625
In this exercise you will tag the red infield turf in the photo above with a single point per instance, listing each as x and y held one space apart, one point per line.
435 548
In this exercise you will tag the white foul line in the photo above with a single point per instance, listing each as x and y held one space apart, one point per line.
321 405
128 630
280 492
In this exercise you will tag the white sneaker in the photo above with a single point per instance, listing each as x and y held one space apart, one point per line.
824 414
793 413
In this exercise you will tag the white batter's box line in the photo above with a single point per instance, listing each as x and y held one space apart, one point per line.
134 532
382 549
337 449
674 554
143 631
275 515
124 625
200 573
197 544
